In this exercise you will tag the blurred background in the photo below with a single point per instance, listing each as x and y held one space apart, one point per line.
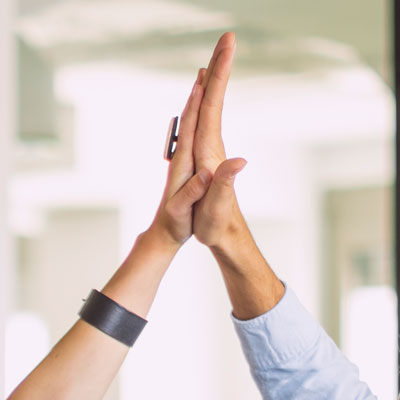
88 88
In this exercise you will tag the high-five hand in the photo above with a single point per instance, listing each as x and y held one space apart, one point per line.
217 214
173 220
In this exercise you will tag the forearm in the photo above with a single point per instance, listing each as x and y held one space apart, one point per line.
85 361
289 354
252 286
135 283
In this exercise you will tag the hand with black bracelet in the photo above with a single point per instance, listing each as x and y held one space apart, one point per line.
84 362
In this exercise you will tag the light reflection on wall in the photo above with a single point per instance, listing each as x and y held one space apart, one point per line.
370 317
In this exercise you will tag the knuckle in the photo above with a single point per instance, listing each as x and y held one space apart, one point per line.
219 74
192 190
212 104
170 209
225 183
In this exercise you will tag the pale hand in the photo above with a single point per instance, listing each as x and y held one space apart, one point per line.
173 220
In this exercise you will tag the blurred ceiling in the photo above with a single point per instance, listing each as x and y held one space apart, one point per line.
272 35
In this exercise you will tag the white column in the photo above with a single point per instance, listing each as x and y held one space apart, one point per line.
7 85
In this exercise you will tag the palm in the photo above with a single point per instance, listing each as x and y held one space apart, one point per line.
208 147
204 219
218 212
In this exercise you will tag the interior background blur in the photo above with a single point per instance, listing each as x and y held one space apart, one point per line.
87 91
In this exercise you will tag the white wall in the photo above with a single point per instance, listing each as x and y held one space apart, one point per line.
75 252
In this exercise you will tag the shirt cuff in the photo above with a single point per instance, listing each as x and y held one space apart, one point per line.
283 333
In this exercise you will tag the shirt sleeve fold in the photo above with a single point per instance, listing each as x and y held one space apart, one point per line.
290 356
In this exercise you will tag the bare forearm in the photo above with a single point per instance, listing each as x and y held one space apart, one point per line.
136 282
85 361
252 286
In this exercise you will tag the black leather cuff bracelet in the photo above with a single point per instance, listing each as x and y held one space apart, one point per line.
111 318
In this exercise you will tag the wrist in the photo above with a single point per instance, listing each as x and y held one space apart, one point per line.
135 283
234 246
252 285
160 239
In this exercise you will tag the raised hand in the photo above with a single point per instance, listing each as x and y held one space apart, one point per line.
208 148
173 220
217 214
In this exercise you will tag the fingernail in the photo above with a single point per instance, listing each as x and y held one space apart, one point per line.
234 173
205 176
233 50
198 75
198 80
194 90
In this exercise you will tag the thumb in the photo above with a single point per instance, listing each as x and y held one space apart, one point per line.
193 190
226 172
224 178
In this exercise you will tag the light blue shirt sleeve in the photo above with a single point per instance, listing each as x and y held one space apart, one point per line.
291 356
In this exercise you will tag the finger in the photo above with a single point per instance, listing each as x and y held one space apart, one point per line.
199 79
202 74
189 116
211 108
194 189
224 177
188 125
226 40
182 165
209 147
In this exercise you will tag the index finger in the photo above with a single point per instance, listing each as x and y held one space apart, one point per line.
226 40
211 107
